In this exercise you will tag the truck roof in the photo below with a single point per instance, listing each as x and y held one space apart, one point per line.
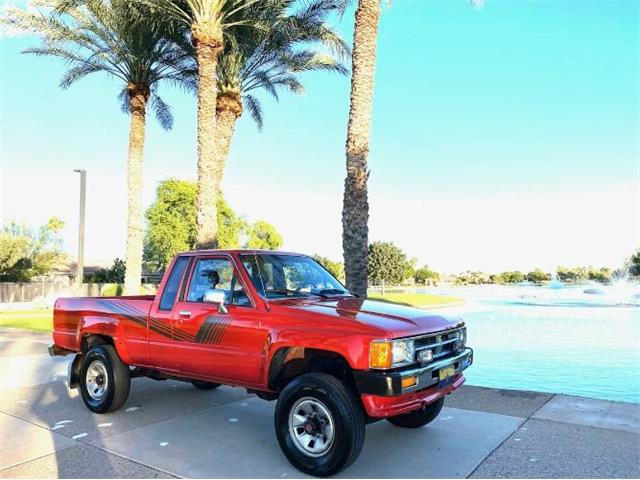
239 251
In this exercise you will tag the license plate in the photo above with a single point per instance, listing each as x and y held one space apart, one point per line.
446 373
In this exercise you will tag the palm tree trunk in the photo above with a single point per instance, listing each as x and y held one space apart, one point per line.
207 43
355 209
138 96
228 110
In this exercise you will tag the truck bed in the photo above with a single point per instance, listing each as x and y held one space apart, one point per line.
99 315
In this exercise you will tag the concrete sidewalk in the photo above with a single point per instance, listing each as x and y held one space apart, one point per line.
170 429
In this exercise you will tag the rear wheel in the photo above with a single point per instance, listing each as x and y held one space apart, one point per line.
419 418
204 385
104 379
319 424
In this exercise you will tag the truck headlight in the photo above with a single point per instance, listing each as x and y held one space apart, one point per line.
389 354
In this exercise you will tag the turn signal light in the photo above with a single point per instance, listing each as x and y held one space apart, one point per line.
380 355
409 382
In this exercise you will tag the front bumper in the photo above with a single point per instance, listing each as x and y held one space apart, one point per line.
382 394
388 383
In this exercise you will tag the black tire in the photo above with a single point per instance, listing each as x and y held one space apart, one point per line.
345 413
104 358
419 418
204 385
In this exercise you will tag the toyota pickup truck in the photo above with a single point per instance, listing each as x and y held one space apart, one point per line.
281 326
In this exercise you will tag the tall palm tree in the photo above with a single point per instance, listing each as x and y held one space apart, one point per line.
207 21
271 60
120 39
355 208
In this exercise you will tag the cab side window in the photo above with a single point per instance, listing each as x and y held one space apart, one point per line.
173 284
216 273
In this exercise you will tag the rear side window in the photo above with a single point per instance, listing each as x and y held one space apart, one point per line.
173 284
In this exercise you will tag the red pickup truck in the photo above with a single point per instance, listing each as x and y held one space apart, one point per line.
281 326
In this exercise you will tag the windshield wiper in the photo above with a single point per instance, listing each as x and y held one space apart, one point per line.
332 291
325 293
287 291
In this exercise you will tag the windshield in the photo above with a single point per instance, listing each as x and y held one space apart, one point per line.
285 276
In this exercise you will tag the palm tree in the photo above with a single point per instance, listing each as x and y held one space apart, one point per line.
123 41
207 21
271 60
355 208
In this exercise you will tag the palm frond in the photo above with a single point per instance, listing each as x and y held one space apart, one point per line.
162 111
76 73
123 99
271 59
252 104
127 39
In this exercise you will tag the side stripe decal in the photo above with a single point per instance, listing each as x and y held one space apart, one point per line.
211 331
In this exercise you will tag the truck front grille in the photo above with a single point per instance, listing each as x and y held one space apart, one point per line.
442 344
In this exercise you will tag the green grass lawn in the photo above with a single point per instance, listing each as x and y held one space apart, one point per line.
38 320
419 300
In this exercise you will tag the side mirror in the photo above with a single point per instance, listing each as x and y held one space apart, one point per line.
215 295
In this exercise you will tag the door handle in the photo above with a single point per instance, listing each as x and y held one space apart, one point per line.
184 313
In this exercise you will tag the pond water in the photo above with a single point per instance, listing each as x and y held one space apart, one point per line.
554 338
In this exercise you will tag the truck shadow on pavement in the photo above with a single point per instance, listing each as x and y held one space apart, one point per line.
170 428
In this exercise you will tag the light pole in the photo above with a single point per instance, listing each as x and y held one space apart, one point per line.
83 198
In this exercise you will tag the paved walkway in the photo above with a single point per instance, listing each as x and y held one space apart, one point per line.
170 429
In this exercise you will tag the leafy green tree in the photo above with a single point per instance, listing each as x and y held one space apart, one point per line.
336 268
572 275
171 224
425 275
264 236
496 278
411 268
471 278
13 249
114 274
538 276
388 264
26 253
123 40
512 277
602 275
231 226
634 264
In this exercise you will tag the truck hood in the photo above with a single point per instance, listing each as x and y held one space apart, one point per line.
394 321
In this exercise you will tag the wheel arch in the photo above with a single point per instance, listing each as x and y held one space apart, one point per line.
100 330
292 361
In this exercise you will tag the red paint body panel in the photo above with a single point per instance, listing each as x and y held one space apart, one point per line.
237 347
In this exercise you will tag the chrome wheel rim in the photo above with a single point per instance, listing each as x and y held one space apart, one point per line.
311 427
97 380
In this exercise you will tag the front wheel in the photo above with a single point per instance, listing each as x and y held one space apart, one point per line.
419 418
104 379
319 424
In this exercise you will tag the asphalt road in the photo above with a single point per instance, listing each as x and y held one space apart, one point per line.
170 429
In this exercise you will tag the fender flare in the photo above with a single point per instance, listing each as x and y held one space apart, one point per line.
287 354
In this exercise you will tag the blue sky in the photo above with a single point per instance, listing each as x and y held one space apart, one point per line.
503 137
